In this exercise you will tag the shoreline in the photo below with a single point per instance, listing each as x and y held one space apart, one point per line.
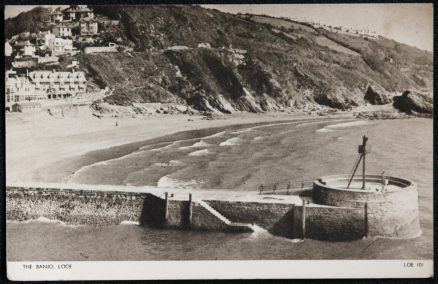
61 144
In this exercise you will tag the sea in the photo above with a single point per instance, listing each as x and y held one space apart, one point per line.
238 158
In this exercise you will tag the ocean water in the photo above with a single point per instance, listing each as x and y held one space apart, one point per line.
239 158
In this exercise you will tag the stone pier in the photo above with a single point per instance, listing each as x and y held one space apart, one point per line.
330 213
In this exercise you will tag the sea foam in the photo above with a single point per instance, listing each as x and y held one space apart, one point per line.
130 223
43 220
332 127
231 142
200 153
168 182
200 144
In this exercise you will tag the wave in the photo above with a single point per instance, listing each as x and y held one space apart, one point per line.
168 182
175 163
324 130
69 179
317 122
43 220
165 147
349 124
200 144
259 231
200 153
231 142
333 127
130 223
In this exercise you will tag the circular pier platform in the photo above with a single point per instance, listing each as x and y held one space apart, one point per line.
390 203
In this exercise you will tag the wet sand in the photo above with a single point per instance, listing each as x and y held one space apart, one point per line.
35 141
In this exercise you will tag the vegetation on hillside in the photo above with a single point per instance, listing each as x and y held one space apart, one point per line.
31 21
217 61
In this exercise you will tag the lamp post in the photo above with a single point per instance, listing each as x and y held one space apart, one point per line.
362 149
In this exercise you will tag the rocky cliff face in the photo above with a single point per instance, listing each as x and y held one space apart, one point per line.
213 61
414 102
377 96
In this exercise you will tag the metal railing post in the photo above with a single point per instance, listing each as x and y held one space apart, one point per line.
366 219
166 207
190 213
303 220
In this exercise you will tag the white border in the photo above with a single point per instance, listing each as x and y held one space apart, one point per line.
254 269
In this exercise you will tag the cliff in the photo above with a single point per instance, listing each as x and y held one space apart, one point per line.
215 61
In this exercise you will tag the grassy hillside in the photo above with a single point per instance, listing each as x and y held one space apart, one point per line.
217 61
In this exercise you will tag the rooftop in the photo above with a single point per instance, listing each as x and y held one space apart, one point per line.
43 75
78 9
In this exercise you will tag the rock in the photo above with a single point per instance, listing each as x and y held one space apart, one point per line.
414 102
339 97
377 96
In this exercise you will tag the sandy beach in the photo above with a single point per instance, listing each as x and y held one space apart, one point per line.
36 140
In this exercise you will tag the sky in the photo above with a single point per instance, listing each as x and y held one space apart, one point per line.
407 23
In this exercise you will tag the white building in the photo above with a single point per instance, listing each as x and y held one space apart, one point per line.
48 39
88 26
62 30
59 46
58 85
28 49
77 12
56 17
8 49
20 89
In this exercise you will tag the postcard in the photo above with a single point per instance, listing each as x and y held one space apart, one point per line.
250 141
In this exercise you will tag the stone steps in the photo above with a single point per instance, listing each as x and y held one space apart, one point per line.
233 226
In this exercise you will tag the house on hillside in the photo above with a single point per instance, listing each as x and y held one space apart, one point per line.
40 37
56 17
88 26
28 49
8 49
48 39
59 46
63 30
78 12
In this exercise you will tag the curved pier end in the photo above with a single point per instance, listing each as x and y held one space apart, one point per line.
390 211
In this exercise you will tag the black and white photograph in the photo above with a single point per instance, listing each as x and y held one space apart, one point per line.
218 141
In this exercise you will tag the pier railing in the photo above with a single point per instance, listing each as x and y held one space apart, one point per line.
286 187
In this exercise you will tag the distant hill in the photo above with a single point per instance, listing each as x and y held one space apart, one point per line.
218 61
30 21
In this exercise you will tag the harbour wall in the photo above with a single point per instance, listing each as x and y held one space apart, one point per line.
75 207
96 208
330 223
